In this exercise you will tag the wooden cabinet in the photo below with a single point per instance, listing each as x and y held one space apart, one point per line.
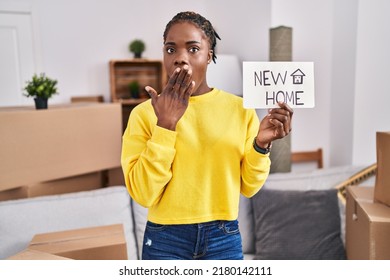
145 72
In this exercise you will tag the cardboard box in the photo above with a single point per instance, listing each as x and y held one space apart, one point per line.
94 243
95 98
367 225
62 141
85 182
382 179
29 254
115 177
15 193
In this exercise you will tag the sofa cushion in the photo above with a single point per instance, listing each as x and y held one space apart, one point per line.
318 179
297 225
21 219
140 217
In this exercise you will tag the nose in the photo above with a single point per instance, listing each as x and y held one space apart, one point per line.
181 58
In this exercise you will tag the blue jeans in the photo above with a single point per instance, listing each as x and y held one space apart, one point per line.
216 240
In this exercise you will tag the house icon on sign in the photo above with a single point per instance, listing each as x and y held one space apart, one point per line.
298 77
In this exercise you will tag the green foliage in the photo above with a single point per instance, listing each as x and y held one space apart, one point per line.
134 86
137 47
40 86
134 89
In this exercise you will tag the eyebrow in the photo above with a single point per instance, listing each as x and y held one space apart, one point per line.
187 43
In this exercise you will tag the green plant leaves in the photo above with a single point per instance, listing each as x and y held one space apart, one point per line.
41 86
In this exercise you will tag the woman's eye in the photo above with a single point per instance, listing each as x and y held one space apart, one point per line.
194 49
170 50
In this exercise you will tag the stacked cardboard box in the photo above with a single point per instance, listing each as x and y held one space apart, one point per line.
93 243
63 149
368 225
382 180
84 182
115 177
29 254
368 211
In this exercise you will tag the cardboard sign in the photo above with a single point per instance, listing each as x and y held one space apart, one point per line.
266 83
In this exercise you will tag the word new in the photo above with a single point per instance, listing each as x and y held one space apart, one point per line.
264 78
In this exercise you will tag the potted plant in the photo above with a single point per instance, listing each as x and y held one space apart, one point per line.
137 47
134 89
41 88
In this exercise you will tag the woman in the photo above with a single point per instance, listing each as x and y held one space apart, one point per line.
191 150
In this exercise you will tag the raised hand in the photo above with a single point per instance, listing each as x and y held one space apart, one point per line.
275 125
171 104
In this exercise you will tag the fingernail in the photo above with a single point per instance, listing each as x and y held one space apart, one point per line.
147 88
177 70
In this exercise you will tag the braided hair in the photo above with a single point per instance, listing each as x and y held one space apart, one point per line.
200 22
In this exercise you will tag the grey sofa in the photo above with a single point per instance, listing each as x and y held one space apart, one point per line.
269 222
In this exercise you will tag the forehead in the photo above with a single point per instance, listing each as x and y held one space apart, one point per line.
185 31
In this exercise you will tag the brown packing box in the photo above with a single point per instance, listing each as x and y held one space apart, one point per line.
94 243
115 177
15 193
382 179
29 254
367 225
95 98
61 142
78 183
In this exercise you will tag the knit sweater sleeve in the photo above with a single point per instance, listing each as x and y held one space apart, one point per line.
147 155
255 166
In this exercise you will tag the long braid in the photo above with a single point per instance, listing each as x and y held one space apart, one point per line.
199 21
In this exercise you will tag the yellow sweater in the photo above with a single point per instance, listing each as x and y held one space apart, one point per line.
196 173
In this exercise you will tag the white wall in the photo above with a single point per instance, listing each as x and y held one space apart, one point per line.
349 43
343 81
311 22
78 38
372 94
